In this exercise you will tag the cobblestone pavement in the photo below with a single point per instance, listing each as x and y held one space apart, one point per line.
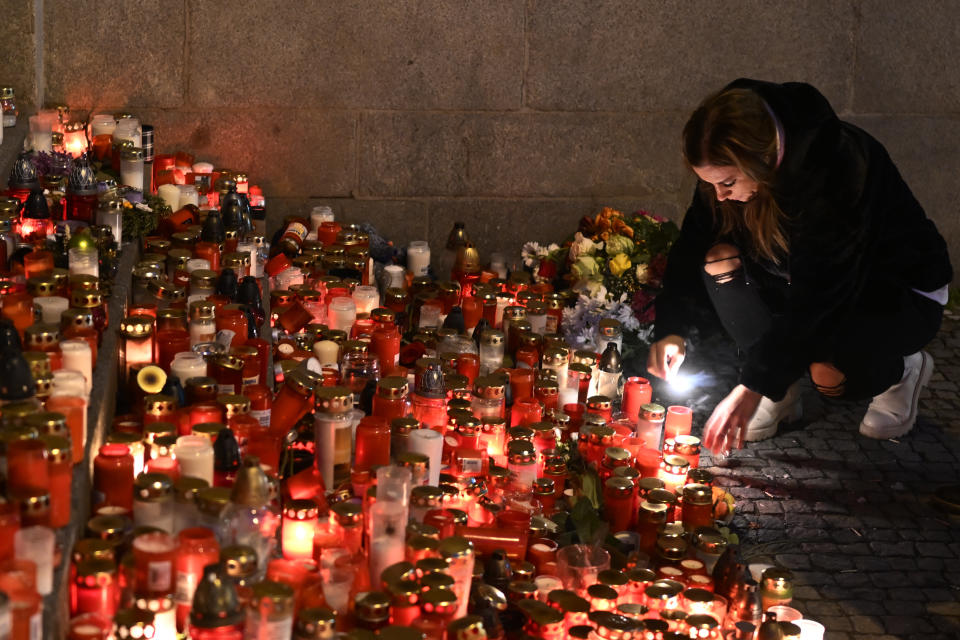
851 516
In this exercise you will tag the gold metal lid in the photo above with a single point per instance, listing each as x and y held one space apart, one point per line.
212 500
87 549
392 387
153 487
334 399
456 547
698 494
136 327
239 561
347 514
315 623
252 486
158 404
109 528
47 423
652 411
301 510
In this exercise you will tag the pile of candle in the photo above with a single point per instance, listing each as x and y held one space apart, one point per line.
375 453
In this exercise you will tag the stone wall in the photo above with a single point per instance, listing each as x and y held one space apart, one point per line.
515 116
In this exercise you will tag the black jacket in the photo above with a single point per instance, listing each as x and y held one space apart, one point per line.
854 230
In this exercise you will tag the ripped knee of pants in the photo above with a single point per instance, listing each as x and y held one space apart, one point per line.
722 263
828 380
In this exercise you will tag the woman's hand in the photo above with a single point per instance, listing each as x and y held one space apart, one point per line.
666 356
727 426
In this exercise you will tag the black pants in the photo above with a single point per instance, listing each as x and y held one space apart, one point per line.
867 347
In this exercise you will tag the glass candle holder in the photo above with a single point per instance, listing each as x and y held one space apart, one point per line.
678 421
298 529
84 260
113 476
78 356
578 566
36 544
131 169
74 409
418 258
154 555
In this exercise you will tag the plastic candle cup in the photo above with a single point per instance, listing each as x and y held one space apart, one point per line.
366 298
678 421
131 169
36 545
342 314
188 195
77 356
429 443
810 629
195 455
418 258
50 308
394 277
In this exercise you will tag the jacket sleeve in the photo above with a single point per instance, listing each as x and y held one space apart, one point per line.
683 303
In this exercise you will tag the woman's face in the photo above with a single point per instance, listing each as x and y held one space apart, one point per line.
729 181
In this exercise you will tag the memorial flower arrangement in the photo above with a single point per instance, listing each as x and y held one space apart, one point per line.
614 265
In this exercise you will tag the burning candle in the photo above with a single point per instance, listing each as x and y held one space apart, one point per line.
678 422
298 529
131 169
366 298
342 313
673 472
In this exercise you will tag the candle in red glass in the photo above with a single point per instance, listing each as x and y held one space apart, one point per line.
298 529
95 588
697 509
9 525
198 548
686 447
486 540
227 370
678 421
261 399
542 552
205 412
673 472
521 383
60 471
234 320
385 344
113 476
208 251
292 402
390 400
648 461
327 232
468 365
27 466
618 503
18 308
153 555
636 393
36 263
372 443
472 312
170 342
525 411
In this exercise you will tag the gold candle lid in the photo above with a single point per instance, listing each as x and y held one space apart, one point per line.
315 623
239 561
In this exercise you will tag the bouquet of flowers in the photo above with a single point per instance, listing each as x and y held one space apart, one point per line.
614 264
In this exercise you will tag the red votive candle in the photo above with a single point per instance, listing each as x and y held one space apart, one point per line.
113 476
678 421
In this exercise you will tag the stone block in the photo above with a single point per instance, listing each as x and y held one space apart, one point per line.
907 58
414 54
18 52
310 155
530 154
112 53
505 225
649 56
919 145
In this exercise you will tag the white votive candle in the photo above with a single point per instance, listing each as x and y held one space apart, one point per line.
197 263
186 365
429 443
202 167
418 257
394 276
77 356
342 314
36 545
367 298
327 352
195 455
319 215
69 383
170 194
84 260
50 308
188 195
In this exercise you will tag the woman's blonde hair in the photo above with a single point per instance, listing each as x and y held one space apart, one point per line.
734 127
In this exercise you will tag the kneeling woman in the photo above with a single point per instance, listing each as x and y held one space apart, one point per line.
806 242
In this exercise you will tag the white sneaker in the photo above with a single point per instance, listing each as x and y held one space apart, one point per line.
894 412
770 414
